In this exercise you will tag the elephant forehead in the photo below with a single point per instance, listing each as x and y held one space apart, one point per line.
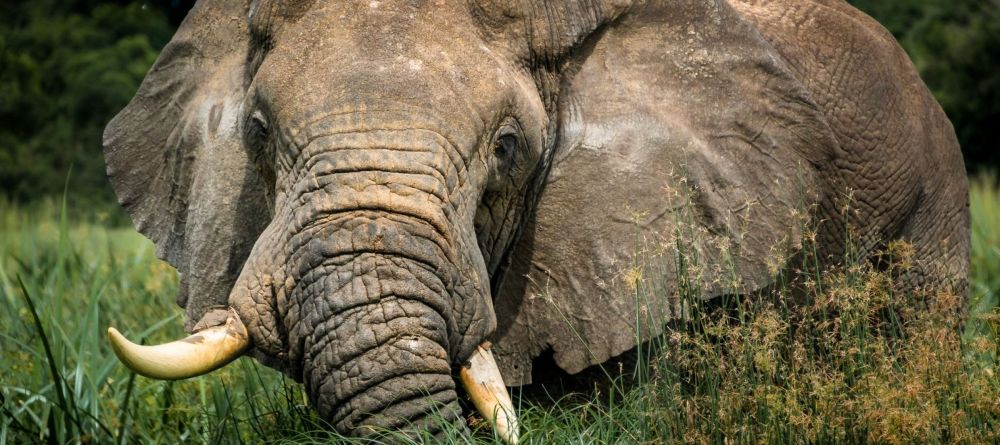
351 52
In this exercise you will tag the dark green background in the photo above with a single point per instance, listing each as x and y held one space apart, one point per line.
67 66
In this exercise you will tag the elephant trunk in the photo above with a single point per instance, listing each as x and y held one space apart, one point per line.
380 365
382 304
375 343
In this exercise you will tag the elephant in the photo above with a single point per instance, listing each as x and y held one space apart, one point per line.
383 199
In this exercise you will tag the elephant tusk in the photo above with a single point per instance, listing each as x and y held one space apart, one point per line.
201 352
481 379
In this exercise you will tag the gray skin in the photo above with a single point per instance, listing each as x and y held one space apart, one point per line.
378 187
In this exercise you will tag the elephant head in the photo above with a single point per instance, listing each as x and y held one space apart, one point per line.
364 194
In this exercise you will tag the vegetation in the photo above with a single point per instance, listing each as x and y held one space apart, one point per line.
836 369
66 67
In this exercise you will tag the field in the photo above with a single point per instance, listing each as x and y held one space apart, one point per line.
842 368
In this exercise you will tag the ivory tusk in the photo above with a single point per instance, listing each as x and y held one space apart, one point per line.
201 352
481 379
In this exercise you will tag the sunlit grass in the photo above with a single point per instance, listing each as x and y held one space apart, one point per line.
840 368
984 205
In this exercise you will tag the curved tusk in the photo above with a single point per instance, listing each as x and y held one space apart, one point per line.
481 379
202 352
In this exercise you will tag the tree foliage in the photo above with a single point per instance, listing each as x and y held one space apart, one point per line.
955 45
67 66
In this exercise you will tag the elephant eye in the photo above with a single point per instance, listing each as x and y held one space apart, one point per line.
505 146
257 129
261 150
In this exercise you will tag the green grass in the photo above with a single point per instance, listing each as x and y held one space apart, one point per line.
840 368
984 204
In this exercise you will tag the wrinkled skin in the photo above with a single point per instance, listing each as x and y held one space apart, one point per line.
378 187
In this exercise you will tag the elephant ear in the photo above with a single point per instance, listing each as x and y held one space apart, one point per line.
686 153
175 158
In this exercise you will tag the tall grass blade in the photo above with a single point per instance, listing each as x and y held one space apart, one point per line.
123 411
58 383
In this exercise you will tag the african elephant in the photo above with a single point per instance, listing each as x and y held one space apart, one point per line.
366 195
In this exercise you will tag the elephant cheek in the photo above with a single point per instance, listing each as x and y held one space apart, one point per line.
259 298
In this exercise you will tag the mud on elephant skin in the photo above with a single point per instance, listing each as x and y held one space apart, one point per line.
364 194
